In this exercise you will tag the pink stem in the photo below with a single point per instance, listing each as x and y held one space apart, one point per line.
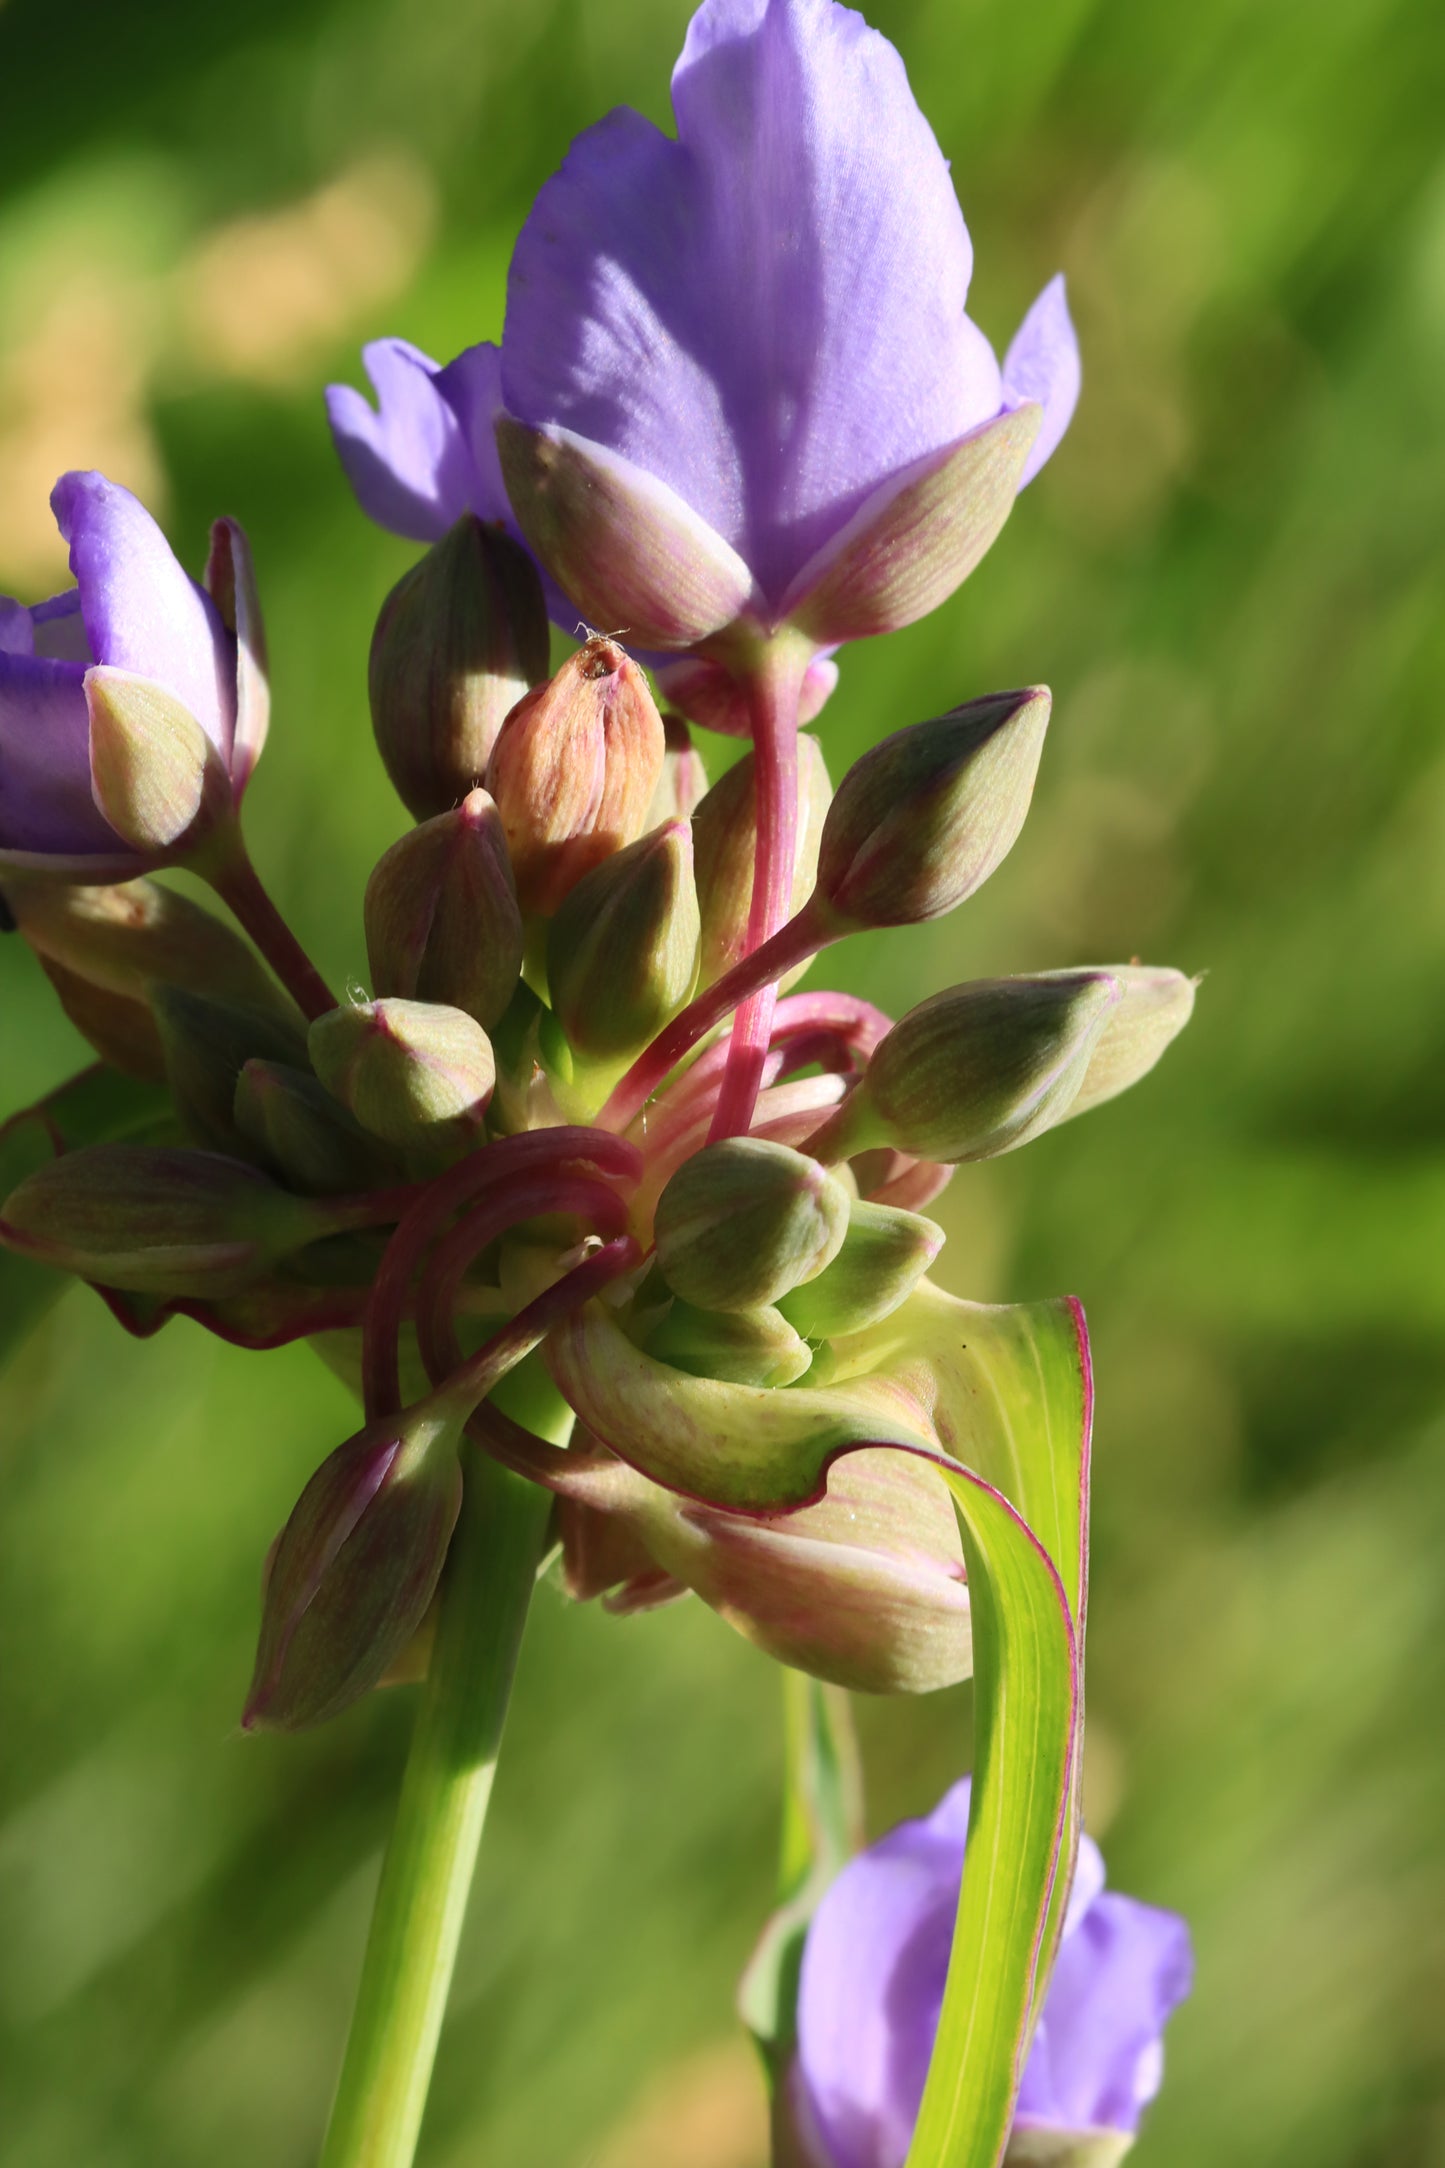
773 698
239 886
536 1149
506 1348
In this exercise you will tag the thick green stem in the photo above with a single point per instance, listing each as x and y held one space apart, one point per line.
427 1873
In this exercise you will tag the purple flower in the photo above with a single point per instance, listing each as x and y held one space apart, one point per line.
135 610
736 356
872 1986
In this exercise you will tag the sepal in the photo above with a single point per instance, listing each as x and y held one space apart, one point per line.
154 773
442 919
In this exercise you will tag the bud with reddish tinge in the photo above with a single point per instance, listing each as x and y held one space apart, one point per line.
158 1221
977 1070
412 1072
1157 1003
743 1221
299 1129
460 639
356 1566
884 1255
442 918
923 819
725 842
622 950
574 770
683 781
207 1044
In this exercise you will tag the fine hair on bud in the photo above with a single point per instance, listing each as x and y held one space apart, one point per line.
745 1220
574 770
622 951
460 639
922 820
442 919
724 839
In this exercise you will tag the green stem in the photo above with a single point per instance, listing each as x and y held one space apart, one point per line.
427 1873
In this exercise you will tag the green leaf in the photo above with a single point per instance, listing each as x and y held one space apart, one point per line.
822 1829
95 1107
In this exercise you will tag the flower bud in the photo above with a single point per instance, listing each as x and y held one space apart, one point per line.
460 639
442 919
725 840
122 938
356 1566
121 1030
884 1255
925 817
154 773
157 1220
979 1069
412 1072
574 769
743 1347
1156 1005
683 781
743 1221
622 951
207 1044
299 1129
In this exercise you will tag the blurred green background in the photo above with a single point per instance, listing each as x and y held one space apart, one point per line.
1233 576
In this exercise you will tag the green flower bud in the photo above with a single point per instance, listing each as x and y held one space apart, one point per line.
442 918
884 1255
156 1220
622 951
121 1030
460 639
923 819
977 1070
1157 1003
743 1221
355 1569
743 1347
683 781
207 1044
122 938
574 769
412 1072
724 841
154 773
300 1130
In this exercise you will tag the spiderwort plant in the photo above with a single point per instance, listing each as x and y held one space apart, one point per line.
614 1234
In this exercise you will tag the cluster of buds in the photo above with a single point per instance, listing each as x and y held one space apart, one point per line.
521 1139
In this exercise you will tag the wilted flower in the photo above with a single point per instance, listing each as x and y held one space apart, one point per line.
737 373
136 644
872 1987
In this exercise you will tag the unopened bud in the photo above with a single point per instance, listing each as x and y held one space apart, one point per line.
154 773
884 1255
157 1220
301 1131
622 951
416 1074
725 841
207 1044
1156 1005
356 1566
121 1029
574 769
122 938
683 781
460 639
979 1069
442 919
924 818
742 1347
743 1221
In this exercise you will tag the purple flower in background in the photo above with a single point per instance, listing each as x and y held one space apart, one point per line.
872 1986
738 387
133 609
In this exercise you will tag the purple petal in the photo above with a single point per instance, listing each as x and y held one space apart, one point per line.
59 628
142 612
17 635
407 458
1097 2058
768 313
472 387
45 801
1043 364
